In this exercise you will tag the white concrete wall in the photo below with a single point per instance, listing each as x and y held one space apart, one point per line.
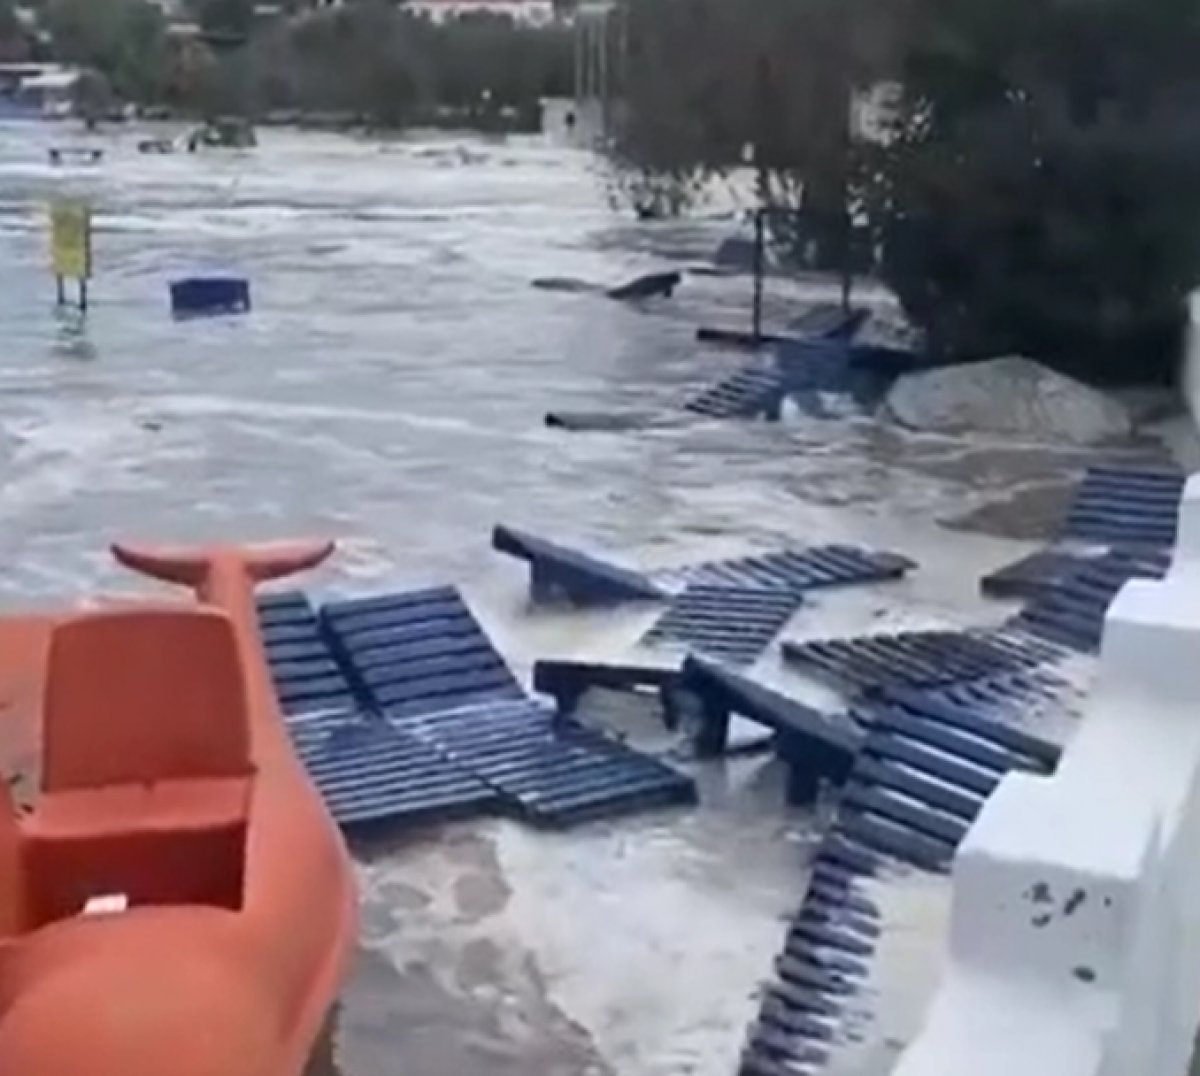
1075 935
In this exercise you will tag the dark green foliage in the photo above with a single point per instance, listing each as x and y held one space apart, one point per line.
1042 191
224 23
124 40
710 87
1043 195
375 61
14 45
369 60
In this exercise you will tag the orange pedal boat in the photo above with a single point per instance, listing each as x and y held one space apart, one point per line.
178 902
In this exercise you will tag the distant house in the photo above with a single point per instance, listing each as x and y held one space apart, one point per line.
175 10
32 90
529 12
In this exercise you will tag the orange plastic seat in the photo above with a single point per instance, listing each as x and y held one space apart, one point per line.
168 806
137 696
146 774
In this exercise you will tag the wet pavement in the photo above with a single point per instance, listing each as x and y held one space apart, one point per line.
389 389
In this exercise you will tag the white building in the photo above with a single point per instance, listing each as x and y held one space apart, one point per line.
529 12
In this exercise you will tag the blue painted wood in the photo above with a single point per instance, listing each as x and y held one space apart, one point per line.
1027 750
841 853
830 958
208 296
810 974
369 773
928 761
896 810
734 625
960 746
1125 506
931 761
728 690
559 572
457 736
549 771
417 652
829 321
882 774
807 930
1072 614
899 842
308 680
834 912
755 391
801 570
759 1062
817 747
568 681
794 1024
845 896
778 1003
1033 575
917 658
799 1055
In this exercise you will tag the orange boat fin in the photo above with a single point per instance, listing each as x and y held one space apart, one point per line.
192 566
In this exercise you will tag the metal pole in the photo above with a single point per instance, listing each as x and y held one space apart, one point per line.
759 260
603 55
58 286
762 142
579 31
83 295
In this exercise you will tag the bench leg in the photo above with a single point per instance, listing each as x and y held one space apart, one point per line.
712 738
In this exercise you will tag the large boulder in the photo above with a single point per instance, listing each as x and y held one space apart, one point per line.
1009 396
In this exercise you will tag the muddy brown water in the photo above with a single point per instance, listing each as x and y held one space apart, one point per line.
389 389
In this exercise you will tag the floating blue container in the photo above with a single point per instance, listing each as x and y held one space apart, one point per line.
210 296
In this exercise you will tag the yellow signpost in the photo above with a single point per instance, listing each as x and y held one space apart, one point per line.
71 246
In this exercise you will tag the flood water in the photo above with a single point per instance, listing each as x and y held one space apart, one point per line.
389 390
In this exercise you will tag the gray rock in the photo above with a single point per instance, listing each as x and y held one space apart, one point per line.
1007 396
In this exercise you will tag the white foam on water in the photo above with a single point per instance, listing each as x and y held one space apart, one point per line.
645 939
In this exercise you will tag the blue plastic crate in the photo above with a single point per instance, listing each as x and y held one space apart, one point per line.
209 296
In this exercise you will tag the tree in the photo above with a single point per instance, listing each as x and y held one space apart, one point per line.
224 22
1042 194
14 46
124 40
764 82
